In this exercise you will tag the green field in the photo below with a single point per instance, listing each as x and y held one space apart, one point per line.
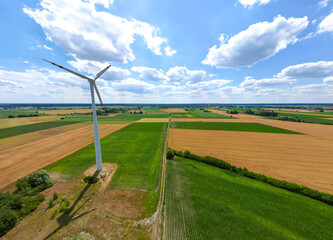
154 110
15 112
230 126
138 150
205 202
14 131
197 113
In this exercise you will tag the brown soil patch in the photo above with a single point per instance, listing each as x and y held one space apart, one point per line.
122 202
114 114
67 111
19 161
13 122
57 187
303 159
175 110
109 170
153 120
21 139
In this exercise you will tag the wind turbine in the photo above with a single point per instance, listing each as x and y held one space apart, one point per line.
92 88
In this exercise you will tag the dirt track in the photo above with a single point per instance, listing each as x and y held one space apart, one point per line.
13 122
19 161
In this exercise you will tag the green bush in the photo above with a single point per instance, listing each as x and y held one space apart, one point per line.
11 201
34 183
292 187
50 203
55 196
170 154
91 179
30 204
8 220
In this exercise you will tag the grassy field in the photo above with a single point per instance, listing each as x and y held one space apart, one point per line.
14 131
204 202
5 112
197 113
230 126
137 149
154 110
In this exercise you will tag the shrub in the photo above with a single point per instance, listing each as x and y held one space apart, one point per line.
30 204
91 179
186 154
65 200
55 196
34 183
11 201
8 220
11 116
170 154
50 203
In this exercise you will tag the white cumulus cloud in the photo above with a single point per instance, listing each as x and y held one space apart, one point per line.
208 85
150 74
182 74
260 41
328 80
308 70
93 35
250 83
248 3
326 25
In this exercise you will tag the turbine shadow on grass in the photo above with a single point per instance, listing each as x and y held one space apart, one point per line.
70 215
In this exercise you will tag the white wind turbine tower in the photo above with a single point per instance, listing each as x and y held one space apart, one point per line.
92 87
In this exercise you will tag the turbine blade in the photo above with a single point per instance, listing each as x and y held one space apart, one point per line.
68 70
98 94
101 72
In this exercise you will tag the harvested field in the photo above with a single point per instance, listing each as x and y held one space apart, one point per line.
221 112
67 111
153 120
303 159
13 122
175 110
19 161
18 140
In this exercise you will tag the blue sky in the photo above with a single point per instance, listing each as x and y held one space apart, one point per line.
232 51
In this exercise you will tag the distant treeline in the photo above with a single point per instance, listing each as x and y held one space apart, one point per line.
23 115
292 187
262 113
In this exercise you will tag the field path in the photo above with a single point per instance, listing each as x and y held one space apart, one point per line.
19 161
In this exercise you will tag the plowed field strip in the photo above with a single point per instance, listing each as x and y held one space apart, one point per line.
19 161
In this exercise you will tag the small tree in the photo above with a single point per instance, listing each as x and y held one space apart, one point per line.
8 220
170 154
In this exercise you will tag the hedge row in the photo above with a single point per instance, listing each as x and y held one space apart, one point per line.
292 187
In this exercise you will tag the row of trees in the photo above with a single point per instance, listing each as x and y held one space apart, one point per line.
293 187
